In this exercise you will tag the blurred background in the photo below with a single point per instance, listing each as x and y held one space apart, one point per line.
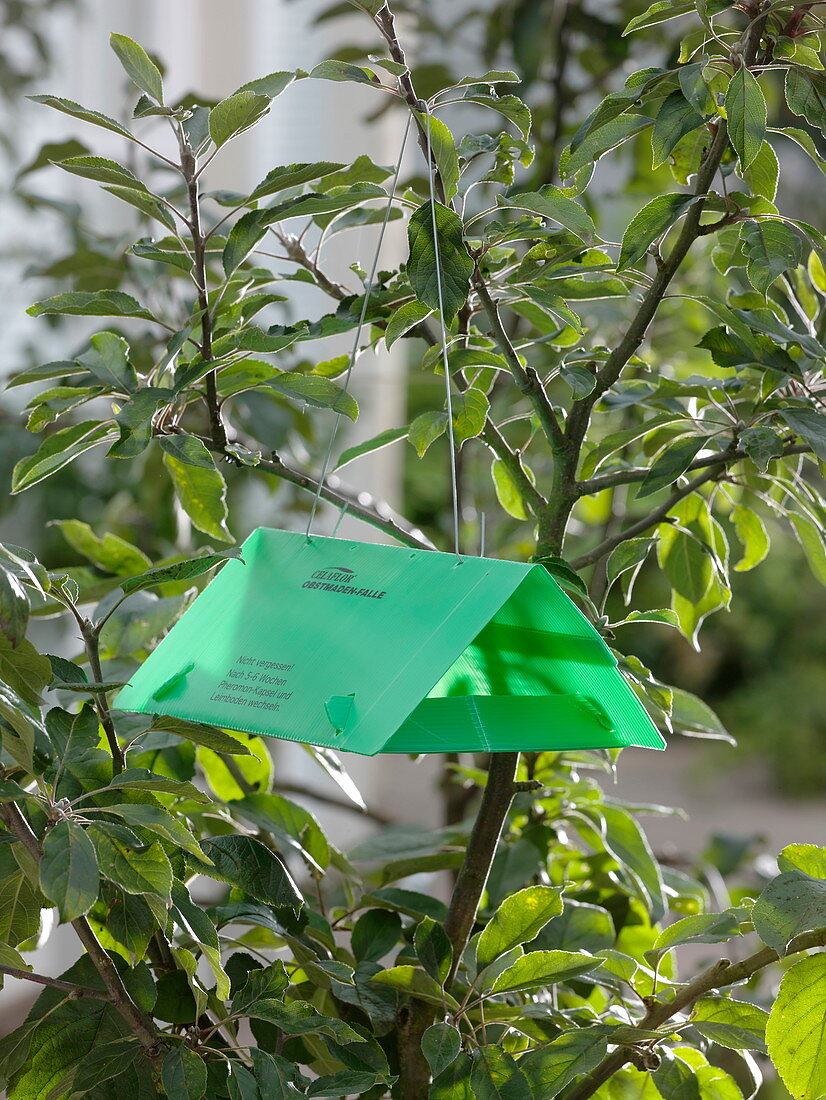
761 666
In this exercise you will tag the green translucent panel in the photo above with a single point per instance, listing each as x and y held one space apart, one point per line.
368 649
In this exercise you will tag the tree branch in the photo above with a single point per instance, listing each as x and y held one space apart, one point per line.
719 975
526 379
142 1025
481 848
639 473
55 983
580 416
189 170
100 701
657 516
386 23
377 513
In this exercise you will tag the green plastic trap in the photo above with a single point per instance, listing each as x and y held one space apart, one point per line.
372 649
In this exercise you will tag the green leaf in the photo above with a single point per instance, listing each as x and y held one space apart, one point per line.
655 219
470 412
517 920
69 107
292 175
109 361
75 738
675 1079
187 448
737 1025
659 12
675 118
809 425
263 984
771 248
791 903
443 151
160 821
686 563
202 494
209 736
14 607
345 1082
794 1033
698 928
183 1074
746 112
543 968
433 948
806 95
58 450
581 380
441 1044
426 429
246 863
49 1053
375 933
763 174
317 391
404 319
138 66
102 170
674 461
22 901
566 212
753 535
343 71
551 1067
804 140
370 446
194 922
69 870
628 555
144 872
496 1076
24 670
109 552
248 230
255 769
810 537
185 570
453 1083
98 303
141 779
808 858
629 846
416 983
272 85
455 263
510 106
507 491
761 444
235 114
602 140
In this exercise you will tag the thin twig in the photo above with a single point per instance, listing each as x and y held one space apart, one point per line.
639 473
719 975
55 983
633 529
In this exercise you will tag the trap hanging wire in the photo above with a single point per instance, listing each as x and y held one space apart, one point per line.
383 649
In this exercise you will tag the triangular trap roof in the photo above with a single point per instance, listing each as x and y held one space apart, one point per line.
369 649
